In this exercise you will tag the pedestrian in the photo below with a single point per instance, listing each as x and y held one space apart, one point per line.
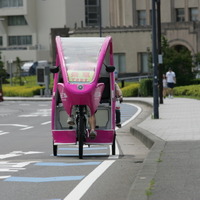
164 86
171 80
119 99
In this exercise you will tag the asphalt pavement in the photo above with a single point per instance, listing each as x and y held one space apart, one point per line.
171 170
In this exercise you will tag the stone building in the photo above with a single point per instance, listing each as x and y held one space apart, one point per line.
27 26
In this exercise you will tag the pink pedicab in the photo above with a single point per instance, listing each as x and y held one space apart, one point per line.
83 83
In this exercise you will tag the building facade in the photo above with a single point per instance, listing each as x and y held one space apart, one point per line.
26 27
179 24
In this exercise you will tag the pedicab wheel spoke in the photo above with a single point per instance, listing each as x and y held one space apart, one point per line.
55 149
113 145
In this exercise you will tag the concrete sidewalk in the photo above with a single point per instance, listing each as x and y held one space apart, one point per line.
171 171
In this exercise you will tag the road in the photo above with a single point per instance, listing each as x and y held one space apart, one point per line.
29 171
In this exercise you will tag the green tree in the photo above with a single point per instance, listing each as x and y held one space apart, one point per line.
180 60
3 74
18 78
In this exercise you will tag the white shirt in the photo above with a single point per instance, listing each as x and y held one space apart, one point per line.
170 76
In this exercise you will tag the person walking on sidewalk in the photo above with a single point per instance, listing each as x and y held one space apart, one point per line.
171 80
165 88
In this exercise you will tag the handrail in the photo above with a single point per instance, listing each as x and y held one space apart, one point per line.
135 78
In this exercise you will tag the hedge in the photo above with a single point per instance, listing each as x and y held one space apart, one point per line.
190 90
146 88
131 90
21 91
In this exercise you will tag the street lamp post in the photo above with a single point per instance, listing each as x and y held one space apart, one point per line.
100 22
155 61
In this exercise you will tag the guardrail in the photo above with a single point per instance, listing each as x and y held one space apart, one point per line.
134 78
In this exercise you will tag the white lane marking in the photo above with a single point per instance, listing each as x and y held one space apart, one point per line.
17 153
6 166
85 184
3 133
116 156
134 116
32 152
29 115
39 112
44 123
43 105
23 127
28 127
18 125
4 177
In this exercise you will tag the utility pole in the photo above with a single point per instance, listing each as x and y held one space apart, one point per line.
159 52
155 61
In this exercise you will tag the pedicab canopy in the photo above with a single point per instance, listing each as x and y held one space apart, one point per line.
82 57
81 60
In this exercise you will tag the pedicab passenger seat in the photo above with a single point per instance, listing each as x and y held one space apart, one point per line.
106 92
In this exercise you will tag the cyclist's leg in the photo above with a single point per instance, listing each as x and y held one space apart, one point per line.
92 122
70 119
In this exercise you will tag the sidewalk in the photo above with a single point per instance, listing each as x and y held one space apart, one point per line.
171 170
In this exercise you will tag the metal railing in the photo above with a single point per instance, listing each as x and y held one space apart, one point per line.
132 78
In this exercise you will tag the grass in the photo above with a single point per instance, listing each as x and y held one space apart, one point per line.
150 188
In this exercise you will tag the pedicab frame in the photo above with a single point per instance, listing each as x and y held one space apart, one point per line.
97 92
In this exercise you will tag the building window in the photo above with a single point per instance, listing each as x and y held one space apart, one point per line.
1 41
92 12
16 21
120 62
20 40
194 13
144 62
180 15
11 3
141 17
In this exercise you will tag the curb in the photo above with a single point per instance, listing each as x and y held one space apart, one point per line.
35 98
147 173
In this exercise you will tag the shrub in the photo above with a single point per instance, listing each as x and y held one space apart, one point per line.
21 91
190 90
146 87
131 90
195 81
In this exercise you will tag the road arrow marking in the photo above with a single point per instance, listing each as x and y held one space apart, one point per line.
23 127
17 153
3 177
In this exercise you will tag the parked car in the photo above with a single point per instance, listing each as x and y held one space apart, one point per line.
29 68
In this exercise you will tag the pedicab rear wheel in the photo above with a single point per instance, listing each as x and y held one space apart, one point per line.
80 139
55 149
113 145
81 131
